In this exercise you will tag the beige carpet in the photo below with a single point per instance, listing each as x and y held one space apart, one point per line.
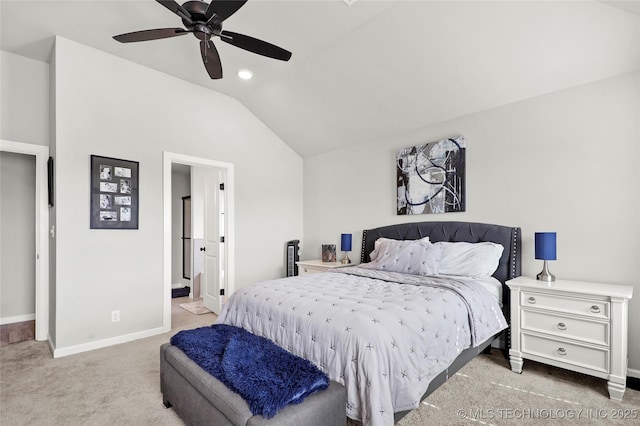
119 385
196 308
486 391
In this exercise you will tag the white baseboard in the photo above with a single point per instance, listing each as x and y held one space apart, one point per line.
70 350
632 372
17 318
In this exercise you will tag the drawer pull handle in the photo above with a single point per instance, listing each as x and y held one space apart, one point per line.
595 309
561 326
561 351
532 300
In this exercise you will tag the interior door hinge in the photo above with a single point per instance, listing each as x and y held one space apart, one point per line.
222 292
222 187
222 239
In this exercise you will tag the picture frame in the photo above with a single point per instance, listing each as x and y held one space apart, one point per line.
328 252
431 178
114 197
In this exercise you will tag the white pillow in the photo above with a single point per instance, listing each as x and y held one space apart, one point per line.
416 257
476 260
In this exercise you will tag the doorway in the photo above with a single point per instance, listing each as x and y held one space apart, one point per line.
180 230
197 164
41 255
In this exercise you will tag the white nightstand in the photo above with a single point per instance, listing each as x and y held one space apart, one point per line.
315 266
580 326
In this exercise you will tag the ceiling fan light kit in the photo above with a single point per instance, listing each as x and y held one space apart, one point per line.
204 21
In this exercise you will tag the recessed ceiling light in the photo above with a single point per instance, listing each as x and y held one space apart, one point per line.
245 74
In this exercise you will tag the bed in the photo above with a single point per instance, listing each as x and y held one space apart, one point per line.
390 336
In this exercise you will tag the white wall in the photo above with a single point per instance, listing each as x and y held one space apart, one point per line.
18 236
25 117
25 99
109 106
564 162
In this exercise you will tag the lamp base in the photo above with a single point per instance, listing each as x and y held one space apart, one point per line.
545 275
345 259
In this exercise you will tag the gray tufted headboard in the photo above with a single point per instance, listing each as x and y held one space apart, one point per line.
509 237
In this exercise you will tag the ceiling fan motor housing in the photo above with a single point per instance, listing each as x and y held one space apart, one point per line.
197 9
198 23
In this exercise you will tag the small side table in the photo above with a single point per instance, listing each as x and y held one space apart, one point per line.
580 326
314 266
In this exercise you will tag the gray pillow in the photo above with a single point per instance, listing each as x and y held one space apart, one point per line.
416 257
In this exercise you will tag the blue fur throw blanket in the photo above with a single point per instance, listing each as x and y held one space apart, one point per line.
265 375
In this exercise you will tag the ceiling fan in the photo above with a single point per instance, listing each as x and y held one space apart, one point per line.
205 21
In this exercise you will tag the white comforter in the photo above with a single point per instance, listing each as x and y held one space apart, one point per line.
383 335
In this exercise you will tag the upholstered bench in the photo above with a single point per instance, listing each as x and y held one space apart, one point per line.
201 399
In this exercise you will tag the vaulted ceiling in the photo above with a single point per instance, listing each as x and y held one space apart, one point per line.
361 70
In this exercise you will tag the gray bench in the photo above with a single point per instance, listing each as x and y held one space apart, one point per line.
201 399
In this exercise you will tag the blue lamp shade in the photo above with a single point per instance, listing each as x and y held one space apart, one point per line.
345 242
545 245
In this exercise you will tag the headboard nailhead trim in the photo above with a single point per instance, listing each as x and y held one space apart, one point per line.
364 238
514 252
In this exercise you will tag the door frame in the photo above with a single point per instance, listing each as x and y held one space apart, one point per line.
169 158
41 152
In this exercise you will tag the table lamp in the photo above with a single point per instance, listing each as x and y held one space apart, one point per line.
345 246
545 250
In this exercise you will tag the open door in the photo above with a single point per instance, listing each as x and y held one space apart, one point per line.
213 241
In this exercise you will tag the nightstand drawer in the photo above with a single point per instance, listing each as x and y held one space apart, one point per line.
593 358
574 328
315 266
304 270
588 307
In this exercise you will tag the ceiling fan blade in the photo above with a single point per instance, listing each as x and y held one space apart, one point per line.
256 46
146 35
211 59
177 9
223 8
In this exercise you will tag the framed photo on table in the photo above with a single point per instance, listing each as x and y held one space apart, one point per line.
114 193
